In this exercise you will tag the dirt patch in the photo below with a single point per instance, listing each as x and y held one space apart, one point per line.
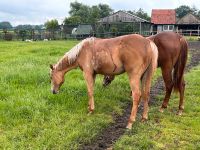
195 51
115 130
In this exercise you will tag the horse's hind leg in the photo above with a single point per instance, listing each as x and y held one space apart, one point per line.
146 84
135 88
90 78
167 76
181 102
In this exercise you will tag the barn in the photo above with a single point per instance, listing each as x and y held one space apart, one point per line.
122 22
189 24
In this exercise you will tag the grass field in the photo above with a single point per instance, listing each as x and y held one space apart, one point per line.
33 118
167 130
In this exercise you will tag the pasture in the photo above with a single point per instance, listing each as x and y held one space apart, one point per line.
31 117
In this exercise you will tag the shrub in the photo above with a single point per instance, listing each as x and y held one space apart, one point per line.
8 37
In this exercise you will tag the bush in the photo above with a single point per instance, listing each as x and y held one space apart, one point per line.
8 37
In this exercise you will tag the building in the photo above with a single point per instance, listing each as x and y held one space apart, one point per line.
83 30
124 22
189 24
163 20
121 16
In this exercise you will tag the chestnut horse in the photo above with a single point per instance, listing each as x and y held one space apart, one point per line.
172 58
133 54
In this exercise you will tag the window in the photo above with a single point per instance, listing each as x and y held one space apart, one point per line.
171 27
168 27
165 27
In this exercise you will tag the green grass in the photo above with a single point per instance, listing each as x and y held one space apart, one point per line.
167 130
31 117
192 38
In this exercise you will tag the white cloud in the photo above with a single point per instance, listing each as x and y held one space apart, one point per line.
39 11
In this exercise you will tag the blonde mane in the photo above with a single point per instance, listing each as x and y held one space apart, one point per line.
70 57
75 51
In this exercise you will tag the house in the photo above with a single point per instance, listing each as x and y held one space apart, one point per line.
163 20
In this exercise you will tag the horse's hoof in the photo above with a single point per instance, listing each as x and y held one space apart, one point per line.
180 112
144 120
161 110
129 126
90 112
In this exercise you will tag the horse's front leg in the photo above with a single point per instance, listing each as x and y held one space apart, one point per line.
90 78
136 93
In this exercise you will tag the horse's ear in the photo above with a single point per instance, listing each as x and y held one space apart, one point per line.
51 66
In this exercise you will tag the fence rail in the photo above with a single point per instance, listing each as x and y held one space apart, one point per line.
61 35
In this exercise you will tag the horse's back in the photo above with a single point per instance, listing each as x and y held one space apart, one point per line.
122 53
169 47
135 52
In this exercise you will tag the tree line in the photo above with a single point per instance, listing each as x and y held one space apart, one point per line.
83 14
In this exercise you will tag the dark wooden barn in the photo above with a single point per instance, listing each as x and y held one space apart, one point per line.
124 22
189 24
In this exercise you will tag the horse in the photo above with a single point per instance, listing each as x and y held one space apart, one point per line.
133 54
172 58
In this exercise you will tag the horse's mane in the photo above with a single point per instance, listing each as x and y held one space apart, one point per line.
71 56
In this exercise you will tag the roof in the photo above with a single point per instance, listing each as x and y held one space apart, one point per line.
122 16
189 19
163 16
83 30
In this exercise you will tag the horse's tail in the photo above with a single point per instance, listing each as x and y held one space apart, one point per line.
148 74
154 61
180 64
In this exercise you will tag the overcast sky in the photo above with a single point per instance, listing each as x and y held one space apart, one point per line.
38 11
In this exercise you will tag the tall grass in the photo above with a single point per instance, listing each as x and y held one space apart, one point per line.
31 117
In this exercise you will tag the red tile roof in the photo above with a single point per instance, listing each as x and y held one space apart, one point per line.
163 16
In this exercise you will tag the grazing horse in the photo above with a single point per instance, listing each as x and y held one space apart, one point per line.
133 54
172 58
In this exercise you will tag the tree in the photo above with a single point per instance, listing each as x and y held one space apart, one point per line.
183 10
52 25
81 10
73 20
23 34
5 25
104 10
84 14
140 13
94 14
24 27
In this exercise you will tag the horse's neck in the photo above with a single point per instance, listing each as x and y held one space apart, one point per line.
64 65
69 60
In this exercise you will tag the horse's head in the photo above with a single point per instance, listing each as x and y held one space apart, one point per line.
57 79
107 80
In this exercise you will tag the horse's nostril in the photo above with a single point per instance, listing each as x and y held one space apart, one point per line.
54 92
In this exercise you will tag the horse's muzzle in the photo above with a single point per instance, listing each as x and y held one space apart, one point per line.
54 92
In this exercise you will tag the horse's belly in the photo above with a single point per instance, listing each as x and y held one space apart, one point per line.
109 69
